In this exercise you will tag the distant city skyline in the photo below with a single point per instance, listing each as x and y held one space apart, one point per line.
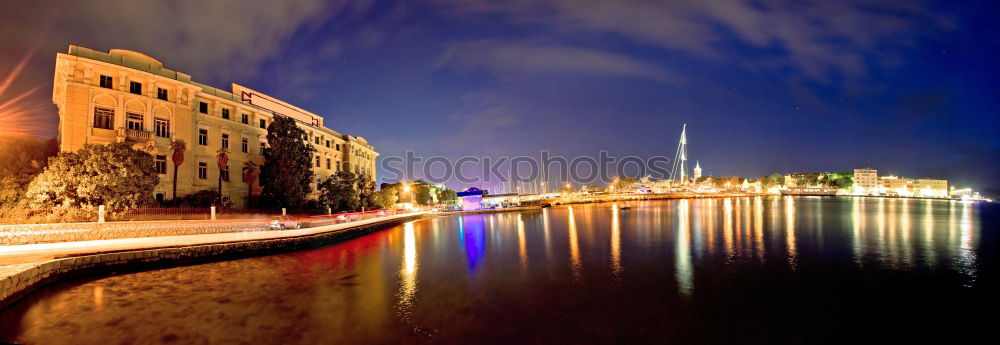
764 87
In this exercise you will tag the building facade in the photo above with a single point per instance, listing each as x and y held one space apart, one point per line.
866 181
125 96
933 188
897 186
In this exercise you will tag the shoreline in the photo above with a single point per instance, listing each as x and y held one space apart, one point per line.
28 268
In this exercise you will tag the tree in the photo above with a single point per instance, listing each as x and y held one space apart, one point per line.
447 195
177 147
422 194
366 191
338 192
22 157
222 159
249 176
115 175
287 170
385 197
776 179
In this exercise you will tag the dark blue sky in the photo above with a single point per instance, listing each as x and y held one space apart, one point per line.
906 87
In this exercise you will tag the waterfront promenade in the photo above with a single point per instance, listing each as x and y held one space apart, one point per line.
26 267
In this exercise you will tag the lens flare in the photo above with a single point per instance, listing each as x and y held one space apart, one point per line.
19 112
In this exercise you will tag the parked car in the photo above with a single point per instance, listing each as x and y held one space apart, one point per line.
285 222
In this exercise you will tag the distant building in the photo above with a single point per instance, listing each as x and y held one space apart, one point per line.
499 200
866 181
931 188
472 198
892 185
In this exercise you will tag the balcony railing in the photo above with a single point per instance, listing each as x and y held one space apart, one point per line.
134 134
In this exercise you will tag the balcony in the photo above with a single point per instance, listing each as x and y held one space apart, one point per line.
134 135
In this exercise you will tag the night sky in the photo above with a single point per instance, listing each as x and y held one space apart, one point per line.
909 88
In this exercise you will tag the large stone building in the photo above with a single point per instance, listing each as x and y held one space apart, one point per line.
125 96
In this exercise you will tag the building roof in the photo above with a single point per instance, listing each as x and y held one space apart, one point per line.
145 63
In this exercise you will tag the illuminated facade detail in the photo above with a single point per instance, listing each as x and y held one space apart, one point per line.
697 170
125 96
931 188
866 181
472 198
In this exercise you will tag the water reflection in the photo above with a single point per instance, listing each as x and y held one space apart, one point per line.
473 231
790 244
574 246
408 271
616 242
442 279
522 245
685 274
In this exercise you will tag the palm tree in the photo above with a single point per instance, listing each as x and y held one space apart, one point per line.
222 158
178 147
249 175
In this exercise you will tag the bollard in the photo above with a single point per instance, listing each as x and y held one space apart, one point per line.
213 212
283 212
329 211
100 214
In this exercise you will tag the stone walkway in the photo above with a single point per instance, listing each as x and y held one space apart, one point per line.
22 266
28 253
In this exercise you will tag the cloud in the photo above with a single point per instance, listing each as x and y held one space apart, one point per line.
514 60
215 39
824 40
216 42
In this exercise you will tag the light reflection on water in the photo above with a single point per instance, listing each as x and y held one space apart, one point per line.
677 268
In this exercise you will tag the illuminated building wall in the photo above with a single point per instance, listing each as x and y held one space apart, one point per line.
125 96
931 188
866 181
893 185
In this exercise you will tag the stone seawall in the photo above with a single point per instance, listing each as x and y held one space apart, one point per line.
24 278
70 232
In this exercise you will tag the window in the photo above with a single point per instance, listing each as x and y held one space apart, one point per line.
225 114
202 170
327 144
161 93
262 146
106 82
104 117
317 140
161 164
225 141
328 163
135 87
338 147
245 119
338 165
162 127
203 137
245 145
203 107
317 161
263 123
225 174
160 197
134 121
